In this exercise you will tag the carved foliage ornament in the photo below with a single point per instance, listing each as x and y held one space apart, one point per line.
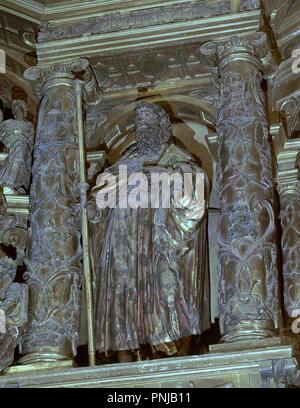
145 69
290 218
291 110
54 252
248 275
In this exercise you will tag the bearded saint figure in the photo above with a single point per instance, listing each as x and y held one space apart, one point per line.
151 275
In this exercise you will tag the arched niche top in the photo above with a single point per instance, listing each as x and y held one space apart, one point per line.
192 121
179 107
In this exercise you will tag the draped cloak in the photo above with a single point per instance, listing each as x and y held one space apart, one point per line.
18 137
151 272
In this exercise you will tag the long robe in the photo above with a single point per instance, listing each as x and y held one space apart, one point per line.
18 138
151 282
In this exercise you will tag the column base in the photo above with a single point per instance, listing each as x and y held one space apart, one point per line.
245 345
248 331
42 360
18 369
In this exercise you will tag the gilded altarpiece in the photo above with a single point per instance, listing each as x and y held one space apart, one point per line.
214 73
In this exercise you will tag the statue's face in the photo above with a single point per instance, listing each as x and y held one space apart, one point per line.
18 111
147 129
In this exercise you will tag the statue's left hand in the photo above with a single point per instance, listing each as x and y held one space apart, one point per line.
91 210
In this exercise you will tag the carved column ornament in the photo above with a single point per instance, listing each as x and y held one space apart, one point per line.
289 194
248 283
54 252
291 111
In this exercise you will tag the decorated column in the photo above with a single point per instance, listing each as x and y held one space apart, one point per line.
289 193
248 281
54 253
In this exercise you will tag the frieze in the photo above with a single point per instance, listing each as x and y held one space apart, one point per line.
147 69
135 19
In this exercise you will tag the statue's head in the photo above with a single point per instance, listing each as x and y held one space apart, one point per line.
19 109
153 126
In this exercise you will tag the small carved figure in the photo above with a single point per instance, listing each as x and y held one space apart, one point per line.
13 310
17 135
13 296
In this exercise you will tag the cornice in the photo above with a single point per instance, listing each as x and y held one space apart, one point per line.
28 10
147 16
78 9
284 18
200 30
74 10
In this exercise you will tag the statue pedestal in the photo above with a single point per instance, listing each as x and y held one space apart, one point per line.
271 366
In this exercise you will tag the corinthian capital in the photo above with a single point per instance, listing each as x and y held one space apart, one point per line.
40 77
44 76
253 48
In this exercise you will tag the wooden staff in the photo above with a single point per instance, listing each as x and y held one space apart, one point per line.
87 274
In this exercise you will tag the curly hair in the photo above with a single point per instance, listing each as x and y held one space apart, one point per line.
160 115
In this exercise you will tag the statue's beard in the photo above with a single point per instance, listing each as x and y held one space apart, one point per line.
147 141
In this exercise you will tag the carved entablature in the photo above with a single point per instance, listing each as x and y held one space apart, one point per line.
112 22
144 27
284 17
149 68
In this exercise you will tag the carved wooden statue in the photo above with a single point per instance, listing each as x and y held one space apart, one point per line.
151 277
13 296
13 310
17 135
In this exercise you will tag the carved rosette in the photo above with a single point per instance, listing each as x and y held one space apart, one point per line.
54 252
248 284
290 224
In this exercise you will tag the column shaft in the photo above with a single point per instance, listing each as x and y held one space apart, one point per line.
54 252
290 243
248 283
